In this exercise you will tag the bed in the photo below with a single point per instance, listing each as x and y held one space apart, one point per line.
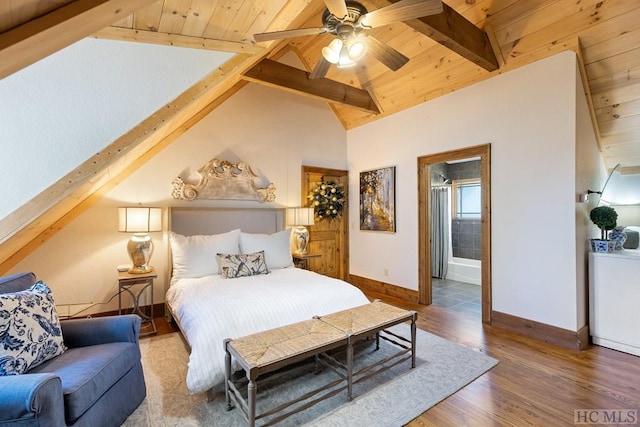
213 297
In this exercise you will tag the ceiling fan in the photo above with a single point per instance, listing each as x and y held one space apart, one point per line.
349 22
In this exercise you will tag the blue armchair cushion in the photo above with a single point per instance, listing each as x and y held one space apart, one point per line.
30 331
87 373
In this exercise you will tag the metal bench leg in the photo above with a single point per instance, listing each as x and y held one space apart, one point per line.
227 374
349 367
251 395
413 340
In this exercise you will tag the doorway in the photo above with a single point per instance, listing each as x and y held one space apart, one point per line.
430 175
328 239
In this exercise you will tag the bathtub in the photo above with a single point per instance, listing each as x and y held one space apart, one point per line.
465 270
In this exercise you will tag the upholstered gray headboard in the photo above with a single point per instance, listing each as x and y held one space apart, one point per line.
194 221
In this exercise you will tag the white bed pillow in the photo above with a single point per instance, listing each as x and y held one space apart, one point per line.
196 256
276 247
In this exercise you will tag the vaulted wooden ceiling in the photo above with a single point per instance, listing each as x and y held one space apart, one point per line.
471 40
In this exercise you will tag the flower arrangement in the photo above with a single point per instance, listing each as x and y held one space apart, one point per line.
327 200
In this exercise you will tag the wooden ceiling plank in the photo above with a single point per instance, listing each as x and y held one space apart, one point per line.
23 45
223 14
124 23
253 15
619 63
152 37
198 17
262 19
611 47
148 18
633 135
620 125
505 15
550 13
572 25
614 80
624 109
174 15
275 74
611 28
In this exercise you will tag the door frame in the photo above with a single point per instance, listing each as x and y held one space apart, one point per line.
424 228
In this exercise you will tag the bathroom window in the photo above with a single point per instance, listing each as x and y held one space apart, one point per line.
466 198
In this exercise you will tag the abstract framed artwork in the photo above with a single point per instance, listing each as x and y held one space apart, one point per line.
377 199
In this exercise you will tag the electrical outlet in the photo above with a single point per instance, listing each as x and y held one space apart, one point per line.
386 272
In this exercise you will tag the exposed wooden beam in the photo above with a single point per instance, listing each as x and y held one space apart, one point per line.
281 76
454 31
154 37
27 43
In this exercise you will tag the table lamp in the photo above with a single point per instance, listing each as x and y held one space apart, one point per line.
139 221
299 218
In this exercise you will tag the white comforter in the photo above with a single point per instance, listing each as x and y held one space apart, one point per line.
210 309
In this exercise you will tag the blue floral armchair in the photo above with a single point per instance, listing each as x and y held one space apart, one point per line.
96 380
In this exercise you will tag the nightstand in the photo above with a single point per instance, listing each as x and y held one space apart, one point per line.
136 285
302 261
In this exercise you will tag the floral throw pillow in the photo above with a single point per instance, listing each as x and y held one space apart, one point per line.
240 265
30 331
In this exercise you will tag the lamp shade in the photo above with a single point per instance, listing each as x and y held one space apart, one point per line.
299 216
139 220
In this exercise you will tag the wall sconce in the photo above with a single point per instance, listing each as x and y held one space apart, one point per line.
140 221
299 218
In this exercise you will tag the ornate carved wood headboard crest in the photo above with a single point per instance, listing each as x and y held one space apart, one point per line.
220 179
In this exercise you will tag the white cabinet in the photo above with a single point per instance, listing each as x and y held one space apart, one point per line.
614 300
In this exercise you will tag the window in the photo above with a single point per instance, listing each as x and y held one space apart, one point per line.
466 198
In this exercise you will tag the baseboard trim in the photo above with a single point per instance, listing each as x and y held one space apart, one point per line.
158 311
366 284
578 340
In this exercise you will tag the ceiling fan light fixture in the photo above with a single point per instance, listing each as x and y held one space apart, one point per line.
332 51
344 60
356 48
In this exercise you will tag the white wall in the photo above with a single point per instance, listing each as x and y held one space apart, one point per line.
590 174
274 131
58 112
528 116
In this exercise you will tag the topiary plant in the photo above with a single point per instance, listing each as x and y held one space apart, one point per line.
605 217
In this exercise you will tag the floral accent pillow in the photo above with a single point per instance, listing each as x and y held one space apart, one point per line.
240 265
30 331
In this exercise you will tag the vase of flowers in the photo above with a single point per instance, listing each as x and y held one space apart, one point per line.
327 200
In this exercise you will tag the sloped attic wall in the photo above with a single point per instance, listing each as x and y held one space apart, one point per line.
274 131
70 105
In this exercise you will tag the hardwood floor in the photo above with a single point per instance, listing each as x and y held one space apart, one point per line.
535 384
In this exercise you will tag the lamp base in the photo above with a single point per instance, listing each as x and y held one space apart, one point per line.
300 236
140 248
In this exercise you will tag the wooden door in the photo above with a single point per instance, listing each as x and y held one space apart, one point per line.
328 238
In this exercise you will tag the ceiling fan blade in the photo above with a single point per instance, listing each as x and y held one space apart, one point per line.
321 68
285 34
401 11
386 54
337 8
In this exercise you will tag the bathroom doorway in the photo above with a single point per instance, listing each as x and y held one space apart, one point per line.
455 230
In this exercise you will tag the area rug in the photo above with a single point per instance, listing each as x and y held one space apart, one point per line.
392 398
